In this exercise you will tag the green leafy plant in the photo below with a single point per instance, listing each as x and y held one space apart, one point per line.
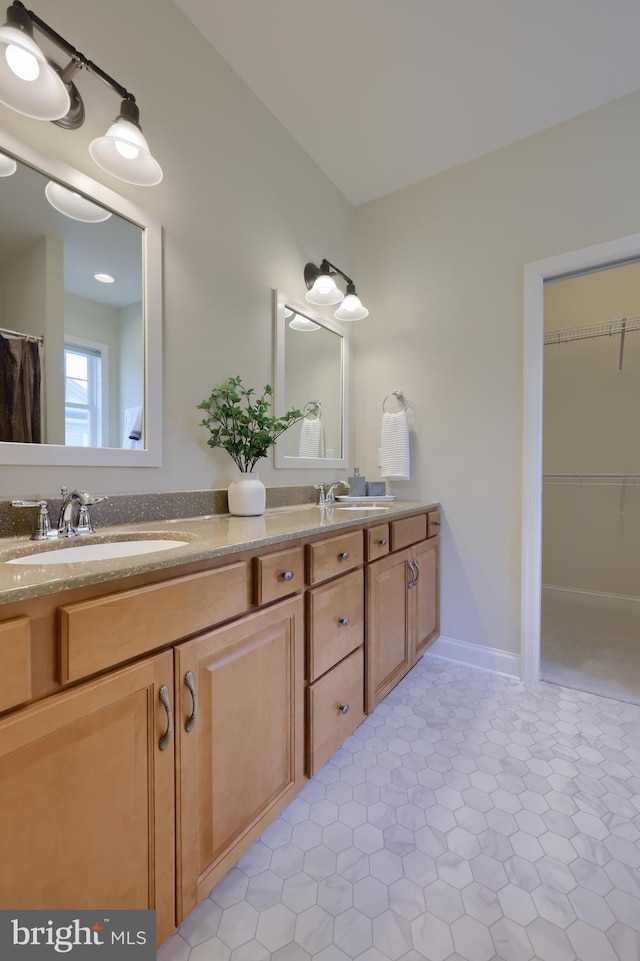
241 423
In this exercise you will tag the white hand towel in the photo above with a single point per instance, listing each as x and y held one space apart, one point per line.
311 438
394 446
132 430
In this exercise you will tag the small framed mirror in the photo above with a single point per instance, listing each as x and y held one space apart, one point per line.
311 373
80 319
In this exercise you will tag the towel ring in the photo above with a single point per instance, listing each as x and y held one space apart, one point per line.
399 395
313 407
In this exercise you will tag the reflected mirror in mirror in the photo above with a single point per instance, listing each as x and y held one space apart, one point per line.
311 355
79 277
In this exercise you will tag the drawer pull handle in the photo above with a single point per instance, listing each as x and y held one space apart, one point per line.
344 708
435 523
344 621
189 724
163 694
414 577
344 556
288 576
382 542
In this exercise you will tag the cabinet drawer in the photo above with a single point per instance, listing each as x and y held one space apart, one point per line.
15 652
328 725
335 556
377 541
336 622
279 574
408 530
433 523
99 633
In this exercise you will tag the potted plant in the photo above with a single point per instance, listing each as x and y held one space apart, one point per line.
241 423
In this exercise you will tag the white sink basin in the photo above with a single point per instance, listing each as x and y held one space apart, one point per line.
362 507
106 550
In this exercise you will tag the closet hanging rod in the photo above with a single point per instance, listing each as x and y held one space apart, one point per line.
606 328
615 476
39 339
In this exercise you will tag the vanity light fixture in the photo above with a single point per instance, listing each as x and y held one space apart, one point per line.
74 205
8 166
34 85
323 290
298 322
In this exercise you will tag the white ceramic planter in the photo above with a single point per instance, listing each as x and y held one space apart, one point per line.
247 495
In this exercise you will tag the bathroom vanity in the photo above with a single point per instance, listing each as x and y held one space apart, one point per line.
158 712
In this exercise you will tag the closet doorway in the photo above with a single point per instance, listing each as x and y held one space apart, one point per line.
590 560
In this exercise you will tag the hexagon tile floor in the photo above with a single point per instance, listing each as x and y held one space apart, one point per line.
469 818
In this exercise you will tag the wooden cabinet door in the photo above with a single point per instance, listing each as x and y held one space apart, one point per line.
87 798
388 649
241 762
425 597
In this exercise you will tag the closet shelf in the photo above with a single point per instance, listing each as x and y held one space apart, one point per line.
607 328
610 479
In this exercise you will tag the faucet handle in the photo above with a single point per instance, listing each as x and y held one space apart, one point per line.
42 529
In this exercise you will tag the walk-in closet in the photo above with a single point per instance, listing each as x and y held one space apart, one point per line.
590 637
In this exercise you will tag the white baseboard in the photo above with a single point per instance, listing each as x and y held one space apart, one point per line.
617 603
473 655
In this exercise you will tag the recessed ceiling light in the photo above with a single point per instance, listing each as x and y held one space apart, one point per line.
105 278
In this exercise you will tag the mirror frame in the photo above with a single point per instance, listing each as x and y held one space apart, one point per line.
54 455
280 299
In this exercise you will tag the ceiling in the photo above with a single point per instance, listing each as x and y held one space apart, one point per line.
383 93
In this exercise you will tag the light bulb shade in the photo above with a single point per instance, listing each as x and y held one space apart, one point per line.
28 83
298 322
324 291
351 309
8 166
74 205
124 153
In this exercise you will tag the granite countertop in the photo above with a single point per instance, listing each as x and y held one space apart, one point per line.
210 536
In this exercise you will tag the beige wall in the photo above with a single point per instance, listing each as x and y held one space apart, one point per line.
591 531
242 207
440 265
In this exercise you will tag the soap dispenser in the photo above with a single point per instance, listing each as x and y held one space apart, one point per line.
357 484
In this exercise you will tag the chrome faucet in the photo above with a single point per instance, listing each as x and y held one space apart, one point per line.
82 500
329 497
68 524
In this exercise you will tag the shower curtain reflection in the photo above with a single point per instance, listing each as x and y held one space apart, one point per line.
20 383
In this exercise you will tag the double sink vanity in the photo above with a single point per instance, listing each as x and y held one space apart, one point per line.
160 709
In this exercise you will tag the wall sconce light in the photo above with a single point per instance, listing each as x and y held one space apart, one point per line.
35 86
323 290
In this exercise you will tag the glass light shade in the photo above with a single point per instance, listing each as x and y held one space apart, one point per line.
298 322
8 166
74 205
124 153
28 83
324 291
351 309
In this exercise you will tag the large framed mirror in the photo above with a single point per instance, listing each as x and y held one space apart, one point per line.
311 373
80 319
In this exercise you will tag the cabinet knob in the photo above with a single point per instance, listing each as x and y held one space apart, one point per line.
344 621
344 556
344 708
288 576
435 523
382 542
